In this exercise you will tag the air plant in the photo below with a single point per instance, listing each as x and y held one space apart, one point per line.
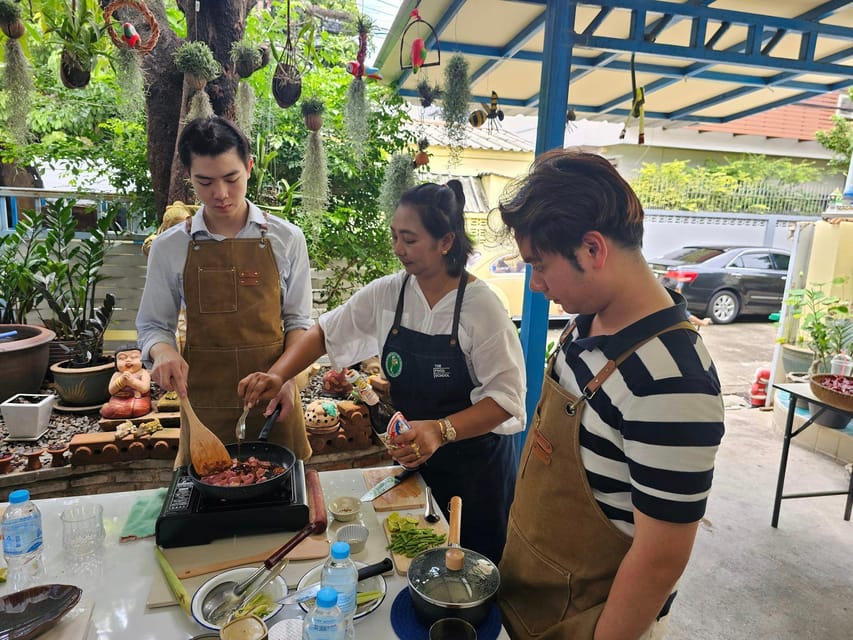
246 58
315 172
195 60
357 109
457 95
421 157
19 83
399 176
129 78
244 106
428 93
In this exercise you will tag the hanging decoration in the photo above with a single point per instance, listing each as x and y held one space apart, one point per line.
490 114
457 95
428 93
131 48
357 109
421 157
638 109
287 80
571 119
195 60
17 74
78 28
399 176
357 69
418 53
315 172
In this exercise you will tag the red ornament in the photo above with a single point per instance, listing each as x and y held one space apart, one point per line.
129 35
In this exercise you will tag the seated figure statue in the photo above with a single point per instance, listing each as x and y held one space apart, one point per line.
130 386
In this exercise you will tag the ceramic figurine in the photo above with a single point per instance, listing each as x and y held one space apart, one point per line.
130 386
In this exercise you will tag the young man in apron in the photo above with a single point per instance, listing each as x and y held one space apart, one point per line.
244 278
618 462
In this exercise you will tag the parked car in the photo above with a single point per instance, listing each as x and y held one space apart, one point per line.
722 282
503 270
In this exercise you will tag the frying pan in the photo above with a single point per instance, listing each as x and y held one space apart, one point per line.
262 450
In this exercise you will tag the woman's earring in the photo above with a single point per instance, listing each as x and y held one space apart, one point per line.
444 253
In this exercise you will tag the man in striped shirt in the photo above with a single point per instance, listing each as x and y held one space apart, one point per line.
618 462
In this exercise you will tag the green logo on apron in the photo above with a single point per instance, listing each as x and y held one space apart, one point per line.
393 364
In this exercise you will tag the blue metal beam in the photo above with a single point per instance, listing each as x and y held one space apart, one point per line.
513 47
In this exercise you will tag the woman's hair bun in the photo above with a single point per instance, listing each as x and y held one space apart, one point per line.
456 187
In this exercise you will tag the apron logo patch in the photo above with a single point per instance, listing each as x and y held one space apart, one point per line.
393 364
440 371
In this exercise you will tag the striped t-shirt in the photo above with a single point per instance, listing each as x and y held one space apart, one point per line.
648 438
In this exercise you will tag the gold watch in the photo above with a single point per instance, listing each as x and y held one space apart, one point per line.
448 433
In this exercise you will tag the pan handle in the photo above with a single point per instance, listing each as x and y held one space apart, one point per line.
270 421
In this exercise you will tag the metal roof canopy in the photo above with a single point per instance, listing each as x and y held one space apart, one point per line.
698 61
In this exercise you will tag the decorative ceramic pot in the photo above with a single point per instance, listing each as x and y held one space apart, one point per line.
83 387
27 415
23 358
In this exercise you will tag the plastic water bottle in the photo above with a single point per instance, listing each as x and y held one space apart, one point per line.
325 621
339 572
22 541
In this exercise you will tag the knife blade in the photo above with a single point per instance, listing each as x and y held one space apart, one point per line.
311 591
387 484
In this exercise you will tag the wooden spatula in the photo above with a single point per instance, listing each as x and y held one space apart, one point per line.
207 452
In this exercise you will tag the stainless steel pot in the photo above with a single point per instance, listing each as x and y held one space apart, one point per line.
452 582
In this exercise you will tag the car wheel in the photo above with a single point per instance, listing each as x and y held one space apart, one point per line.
724 307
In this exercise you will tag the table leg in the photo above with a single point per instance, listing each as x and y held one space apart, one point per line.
849 506
783 462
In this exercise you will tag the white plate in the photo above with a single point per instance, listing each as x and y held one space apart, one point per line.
276 590
376 583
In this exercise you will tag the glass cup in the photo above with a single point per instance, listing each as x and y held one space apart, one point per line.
82 529
452 629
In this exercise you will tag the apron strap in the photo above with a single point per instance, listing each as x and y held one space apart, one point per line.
457 309
398 314
598 379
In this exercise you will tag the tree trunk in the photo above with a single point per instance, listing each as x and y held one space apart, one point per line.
218 24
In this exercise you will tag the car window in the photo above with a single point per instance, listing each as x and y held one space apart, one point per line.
755 260
781 260
693 255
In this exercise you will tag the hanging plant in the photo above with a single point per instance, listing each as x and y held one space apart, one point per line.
18 78
131 47
195 60
399 176
428 93
312 112
131 85
10 19
80 32
357 109
244 106
287 79
246 58
457 95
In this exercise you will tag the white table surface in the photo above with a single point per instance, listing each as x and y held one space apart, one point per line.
118 581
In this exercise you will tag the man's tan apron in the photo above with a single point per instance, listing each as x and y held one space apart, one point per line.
562 552
233 304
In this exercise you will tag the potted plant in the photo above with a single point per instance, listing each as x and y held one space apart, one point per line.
247 58
80 31
312 112
70 276
357 108
427 92
27 415
10 19
315 171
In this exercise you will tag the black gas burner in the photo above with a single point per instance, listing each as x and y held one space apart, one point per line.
189 518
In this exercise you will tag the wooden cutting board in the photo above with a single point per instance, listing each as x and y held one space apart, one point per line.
401 562
409 494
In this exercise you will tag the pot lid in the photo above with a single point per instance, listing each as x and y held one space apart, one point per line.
452 575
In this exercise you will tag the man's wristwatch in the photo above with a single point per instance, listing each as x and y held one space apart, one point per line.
448 433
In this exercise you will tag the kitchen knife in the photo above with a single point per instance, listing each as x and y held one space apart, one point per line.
387 484
311 591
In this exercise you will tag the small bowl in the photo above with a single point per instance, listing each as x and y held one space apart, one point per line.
355 535
345 508
247 628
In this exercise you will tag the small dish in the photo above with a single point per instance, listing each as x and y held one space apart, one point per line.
247 628
355 535
345 508
276 590
376 583
26 614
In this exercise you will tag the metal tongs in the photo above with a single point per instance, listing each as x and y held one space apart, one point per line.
225 612
241 425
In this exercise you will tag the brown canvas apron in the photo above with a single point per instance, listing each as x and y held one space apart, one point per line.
233 304
562 552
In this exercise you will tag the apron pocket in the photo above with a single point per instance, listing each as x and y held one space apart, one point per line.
217 290
534 590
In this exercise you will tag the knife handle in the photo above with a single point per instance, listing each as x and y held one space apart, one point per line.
375 569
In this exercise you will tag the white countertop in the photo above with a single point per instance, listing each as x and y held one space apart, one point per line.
119 580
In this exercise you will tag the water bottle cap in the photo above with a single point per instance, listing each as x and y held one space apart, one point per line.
352 375
18 496
340 550
327 597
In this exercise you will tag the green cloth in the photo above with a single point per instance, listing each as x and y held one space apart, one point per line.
143 516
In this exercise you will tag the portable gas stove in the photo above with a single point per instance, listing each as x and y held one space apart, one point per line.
189 518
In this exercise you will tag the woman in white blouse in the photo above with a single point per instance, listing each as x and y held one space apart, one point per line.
450 353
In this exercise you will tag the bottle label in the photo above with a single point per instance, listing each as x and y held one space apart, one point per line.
22 536
397 425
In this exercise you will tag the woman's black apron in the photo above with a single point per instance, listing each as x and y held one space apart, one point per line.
430 380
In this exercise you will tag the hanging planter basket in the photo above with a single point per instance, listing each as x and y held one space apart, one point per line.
13 29
73 74
286 85
195 83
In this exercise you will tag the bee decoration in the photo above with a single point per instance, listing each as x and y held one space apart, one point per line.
490 113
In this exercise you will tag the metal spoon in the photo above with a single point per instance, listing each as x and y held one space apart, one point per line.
430 514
